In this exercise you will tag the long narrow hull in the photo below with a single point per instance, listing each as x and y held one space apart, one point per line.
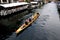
35 16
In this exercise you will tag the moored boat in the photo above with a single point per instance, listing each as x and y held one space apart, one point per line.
10 8
34 4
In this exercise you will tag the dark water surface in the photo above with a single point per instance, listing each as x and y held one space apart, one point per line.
46 27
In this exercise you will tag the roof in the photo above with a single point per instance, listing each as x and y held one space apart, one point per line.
13 4
33 2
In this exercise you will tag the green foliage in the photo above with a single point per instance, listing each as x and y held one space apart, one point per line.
27 0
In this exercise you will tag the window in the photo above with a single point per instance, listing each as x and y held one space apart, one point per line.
4 0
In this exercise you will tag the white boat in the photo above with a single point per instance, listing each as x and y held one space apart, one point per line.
6 9
34 4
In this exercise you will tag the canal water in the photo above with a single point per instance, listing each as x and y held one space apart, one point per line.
46 27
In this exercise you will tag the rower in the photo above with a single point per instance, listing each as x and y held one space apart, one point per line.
26 23
37 13
30 20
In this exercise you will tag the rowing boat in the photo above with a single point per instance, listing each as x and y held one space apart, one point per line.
24 26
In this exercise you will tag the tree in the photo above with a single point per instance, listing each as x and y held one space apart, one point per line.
27 0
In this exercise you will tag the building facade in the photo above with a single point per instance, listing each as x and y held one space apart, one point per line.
46 1
21 0
7 1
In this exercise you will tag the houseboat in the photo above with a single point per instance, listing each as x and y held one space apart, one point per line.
34 4
6 9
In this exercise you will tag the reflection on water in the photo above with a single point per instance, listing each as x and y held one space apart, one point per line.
11 23
32 32
21 21
59 12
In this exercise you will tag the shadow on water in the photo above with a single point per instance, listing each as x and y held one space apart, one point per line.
59 13
11 22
